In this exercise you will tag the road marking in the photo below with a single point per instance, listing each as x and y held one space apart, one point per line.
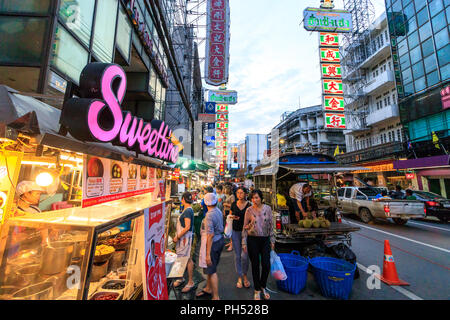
401 237
425 225
402 290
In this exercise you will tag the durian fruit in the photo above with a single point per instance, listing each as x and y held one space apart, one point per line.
328 223
316 223
323 224
300 223
307 223
321 218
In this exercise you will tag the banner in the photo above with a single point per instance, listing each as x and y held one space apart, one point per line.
217 42
106 180
155 283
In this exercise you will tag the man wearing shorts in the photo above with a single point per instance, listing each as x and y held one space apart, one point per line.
214 246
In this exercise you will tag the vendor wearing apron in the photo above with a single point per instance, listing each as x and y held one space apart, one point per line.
183 239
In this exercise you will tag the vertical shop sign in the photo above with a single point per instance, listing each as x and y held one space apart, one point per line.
217 42
155 283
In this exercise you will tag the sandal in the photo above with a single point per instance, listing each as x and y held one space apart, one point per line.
187 288
257 295
178 283
266 295
203 293
247 284
239 284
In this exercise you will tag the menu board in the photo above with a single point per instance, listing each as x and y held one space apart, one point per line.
155 283
107 180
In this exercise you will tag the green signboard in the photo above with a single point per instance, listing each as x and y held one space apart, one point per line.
315 19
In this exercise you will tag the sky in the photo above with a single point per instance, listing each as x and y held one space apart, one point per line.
274 62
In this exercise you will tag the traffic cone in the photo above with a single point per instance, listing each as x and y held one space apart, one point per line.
389 271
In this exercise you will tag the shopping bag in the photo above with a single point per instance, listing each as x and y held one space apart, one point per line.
276 267
229 227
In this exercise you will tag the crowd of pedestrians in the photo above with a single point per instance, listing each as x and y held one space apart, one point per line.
251 238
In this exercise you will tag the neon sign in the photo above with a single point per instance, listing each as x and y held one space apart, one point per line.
98 115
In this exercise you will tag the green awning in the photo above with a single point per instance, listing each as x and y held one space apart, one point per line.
186 164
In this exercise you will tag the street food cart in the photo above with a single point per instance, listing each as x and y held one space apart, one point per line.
98 228
320 172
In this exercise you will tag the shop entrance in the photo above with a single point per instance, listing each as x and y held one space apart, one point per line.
434 186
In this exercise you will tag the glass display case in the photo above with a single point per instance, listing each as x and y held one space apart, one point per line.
75 253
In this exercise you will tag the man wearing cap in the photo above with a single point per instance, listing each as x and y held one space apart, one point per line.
29 193
213 226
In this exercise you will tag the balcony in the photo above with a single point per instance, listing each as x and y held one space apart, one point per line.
384 81
376 152
383 114
381 53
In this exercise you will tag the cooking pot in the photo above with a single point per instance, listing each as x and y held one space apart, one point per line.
28 275
40 291
56 257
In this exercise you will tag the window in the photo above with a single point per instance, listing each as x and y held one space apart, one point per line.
399 135
407 76
348 192
409 89
444 55
415 55
427 47
441 38
413 40
404 61
433 78
123 36
25 6
420 4
77 16
105 24
439 22
22 39
20 78
430 63
69 56
417 70
341 192
445 72
435 6
422 17
389 136
425 31
420 84
408 11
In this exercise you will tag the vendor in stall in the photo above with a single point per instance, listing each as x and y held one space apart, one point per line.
296 193
29 194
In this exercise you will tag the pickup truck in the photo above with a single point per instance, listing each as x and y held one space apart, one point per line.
361 202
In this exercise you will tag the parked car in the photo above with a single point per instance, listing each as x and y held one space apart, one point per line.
362 202
435 205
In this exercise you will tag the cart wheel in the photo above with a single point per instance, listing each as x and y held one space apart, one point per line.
365 215
399 221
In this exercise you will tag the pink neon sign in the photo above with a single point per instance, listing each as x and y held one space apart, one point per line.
98 115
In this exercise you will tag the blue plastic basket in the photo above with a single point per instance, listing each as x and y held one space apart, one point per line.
296 268
333 276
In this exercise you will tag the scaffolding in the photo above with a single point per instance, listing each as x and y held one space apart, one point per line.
355 49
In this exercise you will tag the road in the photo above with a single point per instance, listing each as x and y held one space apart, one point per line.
421 250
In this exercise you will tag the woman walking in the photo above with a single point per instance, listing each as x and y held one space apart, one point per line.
238 209
229 199
257 240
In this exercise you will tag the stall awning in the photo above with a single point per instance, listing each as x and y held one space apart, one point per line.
186 164
321 169
40 120
423 163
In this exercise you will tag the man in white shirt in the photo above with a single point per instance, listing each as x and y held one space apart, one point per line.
296 193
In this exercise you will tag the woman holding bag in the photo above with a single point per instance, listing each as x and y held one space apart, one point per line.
238 209
257 239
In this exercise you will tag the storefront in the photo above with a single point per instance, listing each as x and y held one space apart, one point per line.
429 174
383 173
85 200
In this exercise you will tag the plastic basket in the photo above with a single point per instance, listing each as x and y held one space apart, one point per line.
296 268
333 276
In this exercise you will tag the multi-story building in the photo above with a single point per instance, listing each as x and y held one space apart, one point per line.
420 40
47 43
255 146
304 129
374 136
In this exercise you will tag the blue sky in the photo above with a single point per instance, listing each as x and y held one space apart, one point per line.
273 62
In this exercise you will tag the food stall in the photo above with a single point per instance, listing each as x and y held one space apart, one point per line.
98 227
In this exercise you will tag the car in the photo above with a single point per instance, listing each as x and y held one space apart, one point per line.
435 205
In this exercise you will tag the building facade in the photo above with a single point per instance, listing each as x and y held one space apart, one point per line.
46 44
420 41
255 146
304 129
374 137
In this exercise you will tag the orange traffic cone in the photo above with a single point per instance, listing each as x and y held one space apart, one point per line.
389 271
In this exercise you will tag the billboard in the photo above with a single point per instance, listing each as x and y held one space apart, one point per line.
217 42
324 20
335 121
223 96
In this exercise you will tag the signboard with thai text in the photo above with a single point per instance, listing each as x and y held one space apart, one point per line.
223 96
315 19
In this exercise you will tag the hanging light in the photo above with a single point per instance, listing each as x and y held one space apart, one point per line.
44 179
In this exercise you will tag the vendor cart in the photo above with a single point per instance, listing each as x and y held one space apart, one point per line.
275 178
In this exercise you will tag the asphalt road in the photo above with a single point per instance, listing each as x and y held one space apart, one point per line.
421 251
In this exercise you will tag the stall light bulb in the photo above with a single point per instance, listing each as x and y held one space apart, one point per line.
44 179
185 164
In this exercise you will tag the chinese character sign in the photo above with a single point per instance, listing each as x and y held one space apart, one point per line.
217 42
329 55
333 103
332 86
335 121
329 39
331 70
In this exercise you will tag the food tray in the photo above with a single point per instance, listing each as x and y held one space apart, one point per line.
103 258
102 292
124 282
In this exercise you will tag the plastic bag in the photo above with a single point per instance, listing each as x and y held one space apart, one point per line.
341 251
229 227
276 267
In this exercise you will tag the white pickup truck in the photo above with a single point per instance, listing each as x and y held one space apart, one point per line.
361 201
